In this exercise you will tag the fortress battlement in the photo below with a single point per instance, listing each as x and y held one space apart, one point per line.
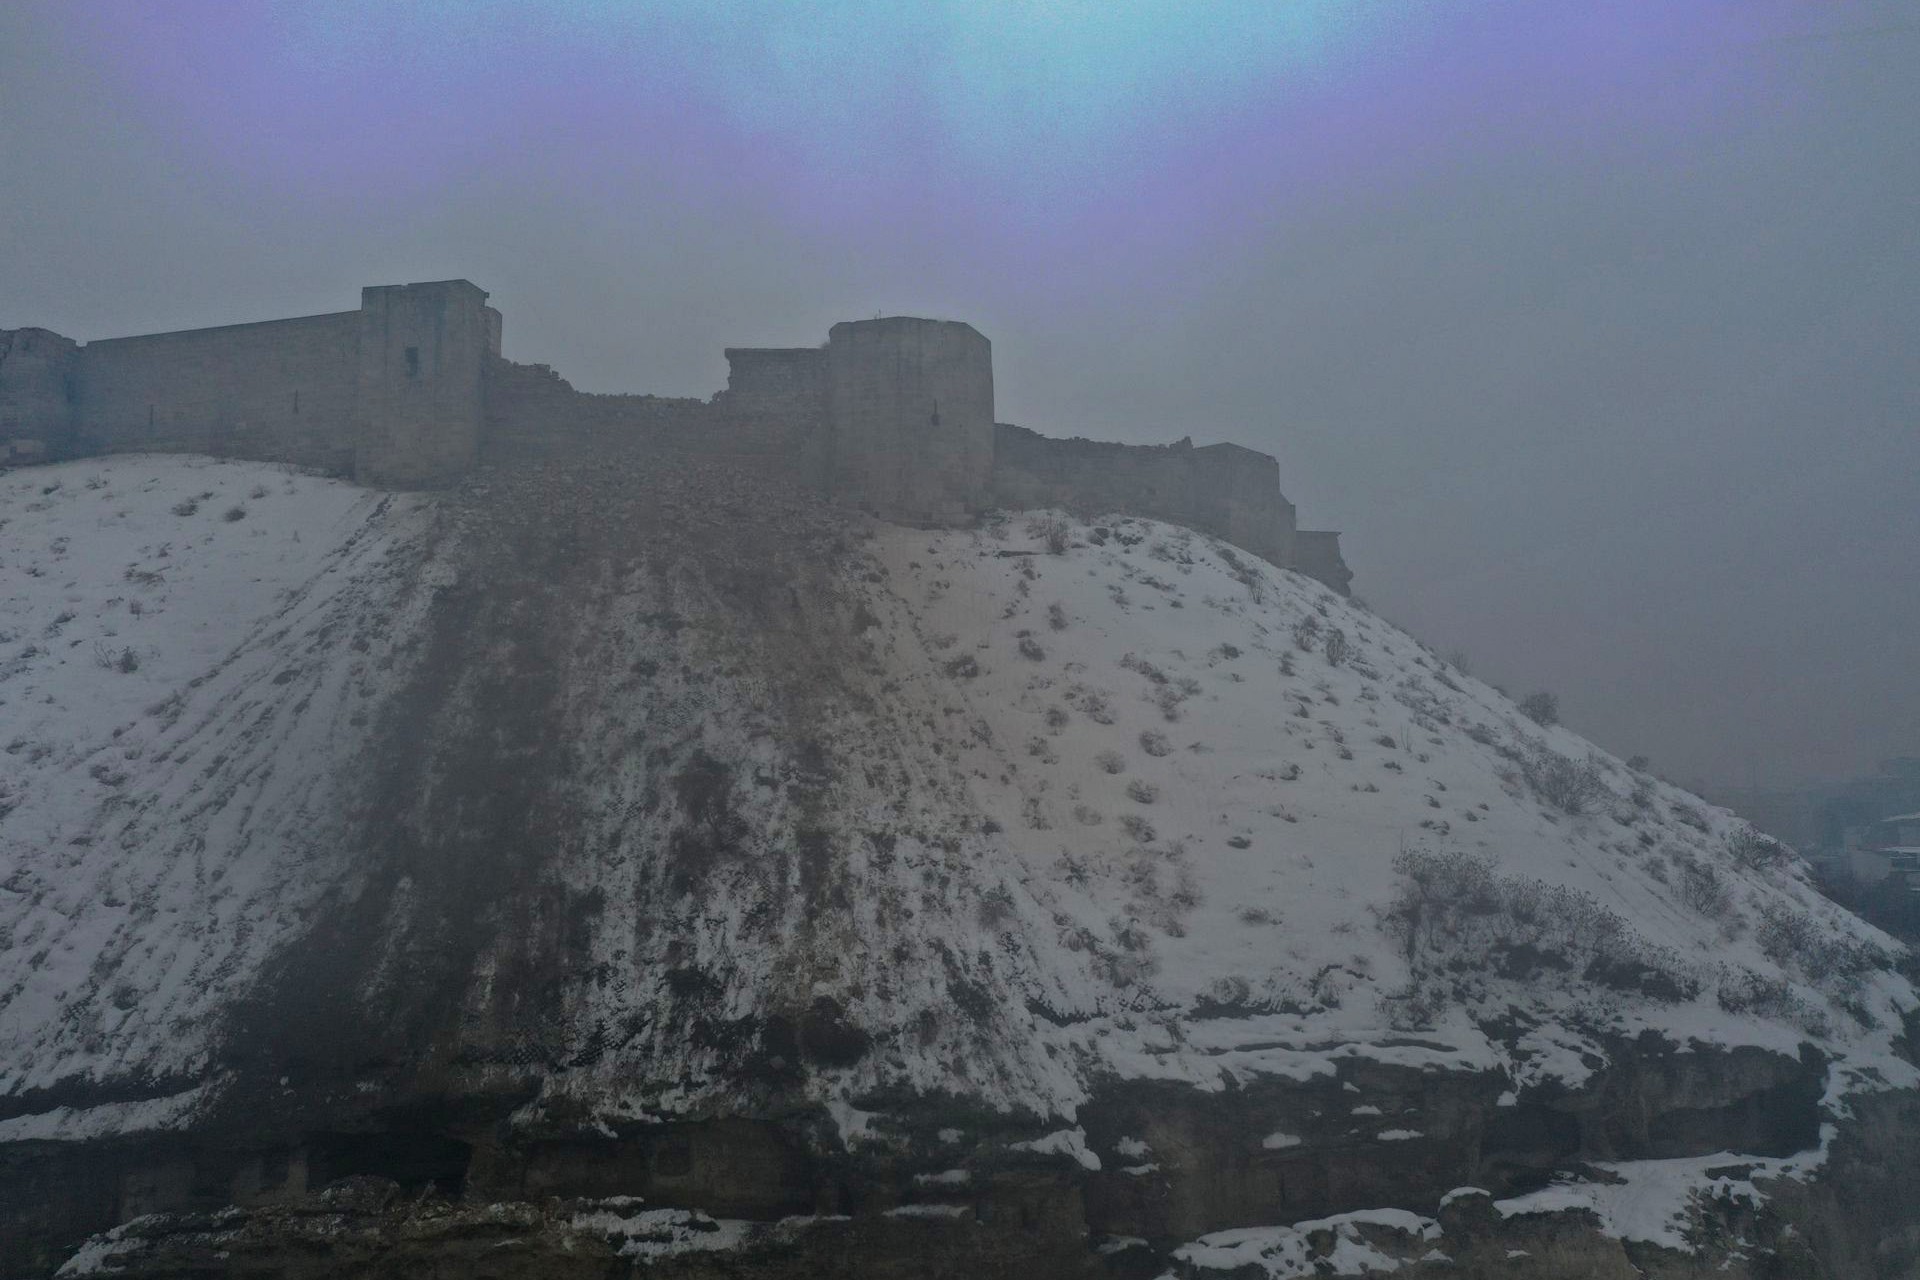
893 415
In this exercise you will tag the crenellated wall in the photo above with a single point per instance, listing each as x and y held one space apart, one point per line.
893 415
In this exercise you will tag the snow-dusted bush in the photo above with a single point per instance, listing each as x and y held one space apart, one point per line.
1703 889
1541 707
1055 533
1453 915
1091 703
1336 647
1796 941
1571 786
1744 991
1755 851
1245 574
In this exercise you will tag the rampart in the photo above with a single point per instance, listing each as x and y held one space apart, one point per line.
1221 488
893 415
283 389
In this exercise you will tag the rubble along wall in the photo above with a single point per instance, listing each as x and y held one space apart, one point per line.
279 390
532 412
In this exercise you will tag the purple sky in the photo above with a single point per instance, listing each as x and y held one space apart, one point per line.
1593 325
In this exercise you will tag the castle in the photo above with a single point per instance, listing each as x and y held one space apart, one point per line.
893 416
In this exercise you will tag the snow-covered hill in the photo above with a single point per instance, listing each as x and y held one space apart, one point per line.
189 653
636 794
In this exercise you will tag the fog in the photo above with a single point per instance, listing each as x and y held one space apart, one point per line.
1593 327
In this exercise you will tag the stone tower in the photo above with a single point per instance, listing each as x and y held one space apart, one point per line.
36 392
420 396
911 407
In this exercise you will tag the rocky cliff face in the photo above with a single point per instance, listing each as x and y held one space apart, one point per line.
646 866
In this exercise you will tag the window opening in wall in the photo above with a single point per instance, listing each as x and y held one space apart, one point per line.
296 404
149 419
936 413
413 362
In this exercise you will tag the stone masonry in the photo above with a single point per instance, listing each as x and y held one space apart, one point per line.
893 415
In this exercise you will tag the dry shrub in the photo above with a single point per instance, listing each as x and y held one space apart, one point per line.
1453 915
1054 532
1571 786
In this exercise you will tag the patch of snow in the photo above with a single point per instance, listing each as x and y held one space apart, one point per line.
1287 1253
1063 1142
929 1211
642 1233
78 1124
189 650
1652 1200
102 1252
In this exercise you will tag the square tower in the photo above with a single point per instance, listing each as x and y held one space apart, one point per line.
911 407
423 350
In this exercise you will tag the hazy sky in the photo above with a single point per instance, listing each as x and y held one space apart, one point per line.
1596 326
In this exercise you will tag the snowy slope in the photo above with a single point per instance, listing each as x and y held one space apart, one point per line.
670 792
187 652
1160 678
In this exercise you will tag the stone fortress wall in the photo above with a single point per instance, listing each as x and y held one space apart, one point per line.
892 415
